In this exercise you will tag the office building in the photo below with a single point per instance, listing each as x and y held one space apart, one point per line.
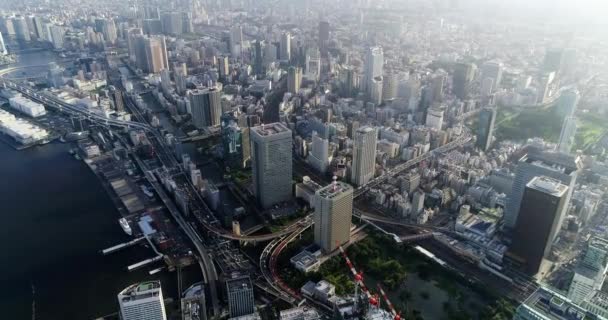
373 68
313 65
285 47
150 53
539 221
132 35
236 41
319 154
206 107
259 68
22 31
553 60
333 211
434 118
464 74
323 36
240 296
364 155
223 66
597 304
558 166
116 99
566 137
492 70
375 90
107 27
567 103
172 22
271 152
152 26
142 301
546 304
3 50
294 78
485 129
57 36
590 272
232 141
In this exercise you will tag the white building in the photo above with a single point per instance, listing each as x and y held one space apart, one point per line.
319 155
434 118
333 213
27 106
364 155
142 301
374 63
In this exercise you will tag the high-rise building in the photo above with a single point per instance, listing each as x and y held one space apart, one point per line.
464 74
116 99
151 53
553 60
375 90
285 46
240 296
206 107
232 141
271 152
492 70
132 42
319 155
21 29
542 204
236 42
223 68
373 68
258 59
566 105
333 212
323 36
152 26
142 301
364 155
434 118
590 273
107 27
3 50
294 78
537 163
172 22
389 86
313 64
566 137
57 36
485 129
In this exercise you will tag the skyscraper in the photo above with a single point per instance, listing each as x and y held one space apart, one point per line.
223 68
463 77
590 273
373 68
232 141
236 42
566 137
285 46
3 50
538 223
116 99
108 28
323 36
538 163
364 155
132 42
21 29
151 53
485 129
567 103
434 118
142 301
271 152
206 107
319 155
240 296
294 77
492 70
553 60
333 213
57 36
172 22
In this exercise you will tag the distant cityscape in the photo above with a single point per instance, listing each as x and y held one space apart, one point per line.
332 159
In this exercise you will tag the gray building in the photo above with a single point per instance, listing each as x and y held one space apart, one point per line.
464 74
271 159
142 301
539 222
333 211
487 117
240 296
206 107
540 163
364 155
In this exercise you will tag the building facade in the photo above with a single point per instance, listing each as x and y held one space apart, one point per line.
333 211
142 301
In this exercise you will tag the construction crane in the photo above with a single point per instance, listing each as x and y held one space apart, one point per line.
358 276
396 315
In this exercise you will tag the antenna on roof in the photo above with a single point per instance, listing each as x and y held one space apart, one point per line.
334 183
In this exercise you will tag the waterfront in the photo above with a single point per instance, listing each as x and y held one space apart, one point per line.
56 218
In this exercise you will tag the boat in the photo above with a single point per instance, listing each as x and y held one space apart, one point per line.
124 224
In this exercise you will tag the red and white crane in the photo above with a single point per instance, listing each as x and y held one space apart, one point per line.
396 315
372 299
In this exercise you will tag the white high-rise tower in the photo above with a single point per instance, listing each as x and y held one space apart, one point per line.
142 301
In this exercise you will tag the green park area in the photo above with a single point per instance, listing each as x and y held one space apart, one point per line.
418 287
547 124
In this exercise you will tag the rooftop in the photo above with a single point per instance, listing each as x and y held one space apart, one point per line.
138 291
270 129
334 189
548 185
547 304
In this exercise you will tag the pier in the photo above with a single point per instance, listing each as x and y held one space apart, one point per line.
143 263
121 246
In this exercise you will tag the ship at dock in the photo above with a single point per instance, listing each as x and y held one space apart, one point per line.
124 224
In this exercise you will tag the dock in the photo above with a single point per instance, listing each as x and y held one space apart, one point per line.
121 246
143 263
